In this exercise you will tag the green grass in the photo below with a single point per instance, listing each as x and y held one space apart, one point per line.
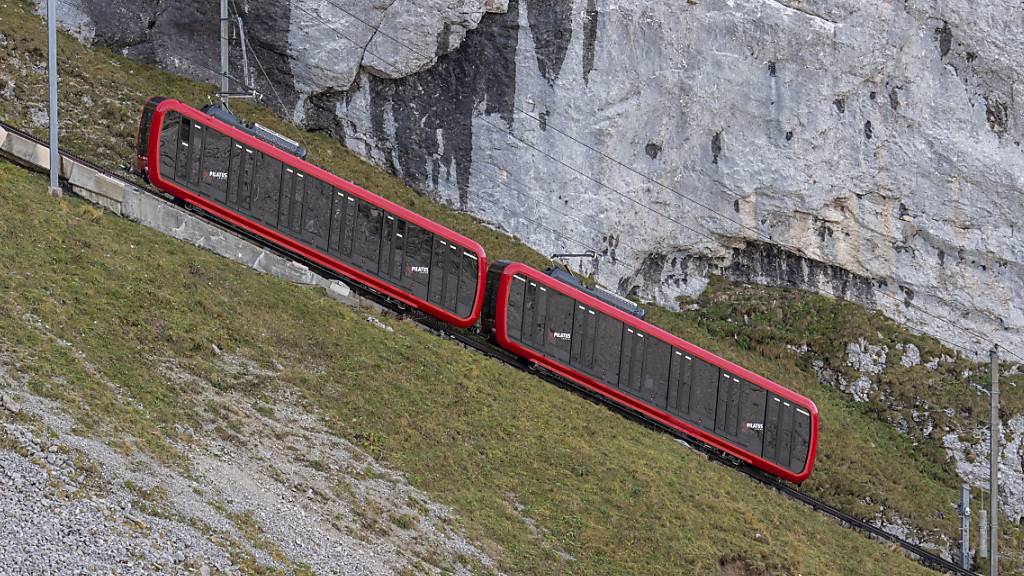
861 465
473 433
179 302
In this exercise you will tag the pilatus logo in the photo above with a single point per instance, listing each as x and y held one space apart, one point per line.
562 335
218 175
419 269
755 426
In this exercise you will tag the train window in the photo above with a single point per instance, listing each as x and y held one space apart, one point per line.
534 314
348 227
584 337
298 201
632 366
184 151
337 229
145 126
293 192
740 415
801 439
398 253
727 416
514 318
266 197
558 328
419 244
387 245
317 206
196 152
285 203
369 225
234 172
752 417
609 342
704 395
778 431
469 273
216 153
438 264
169 144
787 433
654 387
246 182
680 380
452 276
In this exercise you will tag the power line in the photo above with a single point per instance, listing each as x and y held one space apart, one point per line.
377 30
631 271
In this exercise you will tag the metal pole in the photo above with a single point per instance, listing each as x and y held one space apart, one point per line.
51 25
994 466
983 534
225 86
965 526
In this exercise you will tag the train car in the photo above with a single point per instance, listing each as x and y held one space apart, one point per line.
310 212
570 332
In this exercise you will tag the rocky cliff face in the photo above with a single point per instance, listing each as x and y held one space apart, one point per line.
865 148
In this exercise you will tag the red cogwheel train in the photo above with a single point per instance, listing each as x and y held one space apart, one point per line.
257 180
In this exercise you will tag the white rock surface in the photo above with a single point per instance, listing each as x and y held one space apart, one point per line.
975 470
866 148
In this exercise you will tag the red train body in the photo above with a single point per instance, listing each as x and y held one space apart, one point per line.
471 256
655 406
331 222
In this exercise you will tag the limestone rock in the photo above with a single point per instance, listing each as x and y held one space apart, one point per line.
861 148
972 463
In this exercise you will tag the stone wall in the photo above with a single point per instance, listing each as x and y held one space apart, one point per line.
865 148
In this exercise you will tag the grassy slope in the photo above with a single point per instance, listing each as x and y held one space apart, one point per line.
617 497
859 457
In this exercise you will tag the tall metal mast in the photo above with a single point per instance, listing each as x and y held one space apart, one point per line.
225 85
51 25
994 466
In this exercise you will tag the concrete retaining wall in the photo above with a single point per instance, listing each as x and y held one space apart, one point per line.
124 199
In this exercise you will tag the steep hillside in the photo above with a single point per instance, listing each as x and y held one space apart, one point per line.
114 333
900 476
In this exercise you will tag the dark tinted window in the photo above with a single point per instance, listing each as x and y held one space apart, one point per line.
632 363
316 213
438 264
609 342
704 395
469 273
266 197
398 253
289 183
419 245
534 314
216 155
169 144
516 296
584 338
387 247
195 161
184 151
787 432
452 276
246 180
558 328
656 366
369 225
